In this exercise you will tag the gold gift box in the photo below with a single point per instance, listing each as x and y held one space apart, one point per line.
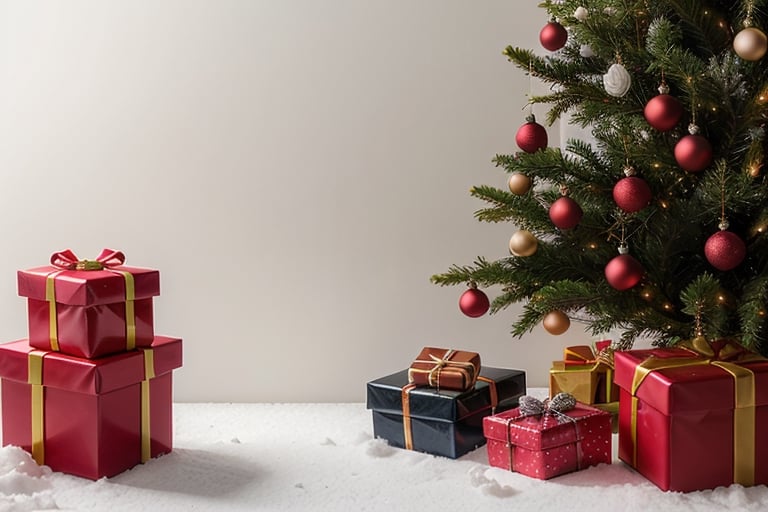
585 376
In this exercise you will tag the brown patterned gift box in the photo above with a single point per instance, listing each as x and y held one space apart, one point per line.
443 368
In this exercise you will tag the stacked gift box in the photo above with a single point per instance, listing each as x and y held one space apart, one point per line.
438 404
90 391
587 373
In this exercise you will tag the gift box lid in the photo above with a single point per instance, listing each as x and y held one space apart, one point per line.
688 388
544 431
385 395
91 376
88 287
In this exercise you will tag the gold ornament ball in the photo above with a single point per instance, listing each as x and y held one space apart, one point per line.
750 44
556 322
523 243
519 184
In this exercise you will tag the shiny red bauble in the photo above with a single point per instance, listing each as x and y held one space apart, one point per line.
632 194
693 153
725 250
474 303
553 36
623 272
565 213
663 112
531 137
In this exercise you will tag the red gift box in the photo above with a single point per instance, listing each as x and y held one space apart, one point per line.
89 308
689 420
544 446
90 418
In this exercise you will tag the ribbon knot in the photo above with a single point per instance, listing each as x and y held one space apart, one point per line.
555 406
67 260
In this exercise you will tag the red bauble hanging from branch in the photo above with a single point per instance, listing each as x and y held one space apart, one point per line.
473 302
725 250
565 213
663 112
693 152
632 193
624 271
553 36
531 137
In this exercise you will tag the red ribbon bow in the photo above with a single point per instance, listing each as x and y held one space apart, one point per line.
67 260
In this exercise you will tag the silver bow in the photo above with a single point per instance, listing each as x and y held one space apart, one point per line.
555 406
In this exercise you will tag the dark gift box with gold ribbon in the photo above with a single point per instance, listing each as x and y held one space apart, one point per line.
90 418
546 439
441 422
585 373
694 418
89 308
445 368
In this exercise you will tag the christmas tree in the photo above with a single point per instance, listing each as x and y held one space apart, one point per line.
657 227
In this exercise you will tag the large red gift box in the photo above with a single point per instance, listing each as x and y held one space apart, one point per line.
544 446
90 418
89 308
691 421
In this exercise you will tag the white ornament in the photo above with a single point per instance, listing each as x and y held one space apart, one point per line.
581 14
617 80
586 51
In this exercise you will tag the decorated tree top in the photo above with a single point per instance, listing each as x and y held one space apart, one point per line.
658 227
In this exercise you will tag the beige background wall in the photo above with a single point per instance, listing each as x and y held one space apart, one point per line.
296 169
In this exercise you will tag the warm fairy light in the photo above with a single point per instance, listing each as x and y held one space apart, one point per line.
592 245
714 109
721 298
664 204
761 312
667 306
656 165
754 169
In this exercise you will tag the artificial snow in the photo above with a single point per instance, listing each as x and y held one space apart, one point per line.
318 457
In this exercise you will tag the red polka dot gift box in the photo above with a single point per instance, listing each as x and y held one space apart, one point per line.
550 438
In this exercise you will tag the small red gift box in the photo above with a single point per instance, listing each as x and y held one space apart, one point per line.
547 445
445 368
690 419
89 308
90 418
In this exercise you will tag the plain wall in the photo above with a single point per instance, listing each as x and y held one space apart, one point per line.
296 169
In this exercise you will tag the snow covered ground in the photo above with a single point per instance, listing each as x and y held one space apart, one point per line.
318 457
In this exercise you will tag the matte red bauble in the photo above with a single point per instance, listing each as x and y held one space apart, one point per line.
553 36
623 272
725 250
632 194
531 137
663 112
565 213
474 303
693 153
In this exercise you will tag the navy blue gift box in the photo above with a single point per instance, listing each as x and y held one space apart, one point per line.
440 422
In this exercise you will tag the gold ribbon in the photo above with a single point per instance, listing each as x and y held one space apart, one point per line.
130 314
35 379
492 390
407 432
465 368
146 435
744 397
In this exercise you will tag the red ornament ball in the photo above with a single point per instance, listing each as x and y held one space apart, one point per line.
474 303
725 250
565 213
693 153
663 112
531 137
623 272
632 194
553 36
